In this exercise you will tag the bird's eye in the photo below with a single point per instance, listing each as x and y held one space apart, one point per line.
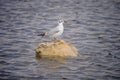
60 21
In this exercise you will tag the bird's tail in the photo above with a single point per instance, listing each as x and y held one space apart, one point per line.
42 34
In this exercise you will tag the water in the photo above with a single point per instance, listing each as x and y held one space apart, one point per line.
93 27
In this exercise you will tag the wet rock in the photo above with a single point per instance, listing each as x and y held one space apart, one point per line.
59 48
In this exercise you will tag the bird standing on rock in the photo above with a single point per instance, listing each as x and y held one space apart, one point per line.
55 32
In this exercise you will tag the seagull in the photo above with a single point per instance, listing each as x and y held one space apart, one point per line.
55 32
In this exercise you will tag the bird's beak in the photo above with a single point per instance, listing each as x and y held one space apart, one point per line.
65 21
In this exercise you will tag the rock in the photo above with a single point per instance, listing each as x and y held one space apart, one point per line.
56 49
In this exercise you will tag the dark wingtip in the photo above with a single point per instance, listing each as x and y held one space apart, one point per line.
42 34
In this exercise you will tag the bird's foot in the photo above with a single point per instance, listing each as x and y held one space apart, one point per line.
56 40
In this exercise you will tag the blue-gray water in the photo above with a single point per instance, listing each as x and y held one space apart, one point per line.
93 27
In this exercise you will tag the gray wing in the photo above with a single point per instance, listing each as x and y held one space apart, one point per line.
53 31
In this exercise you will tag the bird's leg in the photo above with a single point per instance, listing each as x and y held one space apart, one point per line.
55 39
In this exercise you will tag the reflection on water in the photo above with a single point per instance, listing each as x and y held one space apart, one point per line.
51 65
93 27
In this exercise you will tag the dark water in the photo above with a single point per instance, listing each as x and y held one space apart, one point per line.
93 27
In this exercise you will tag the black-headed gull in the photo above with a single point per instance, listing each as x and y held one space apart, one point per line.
55 32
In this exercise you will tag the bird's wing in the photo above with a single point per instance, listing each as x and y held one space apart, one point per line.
54 31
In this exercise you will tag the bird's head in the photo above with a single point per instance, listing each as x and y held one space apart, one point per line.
62 21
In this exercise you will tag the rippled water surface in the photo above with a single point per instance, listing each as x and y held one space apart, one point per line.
93 27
